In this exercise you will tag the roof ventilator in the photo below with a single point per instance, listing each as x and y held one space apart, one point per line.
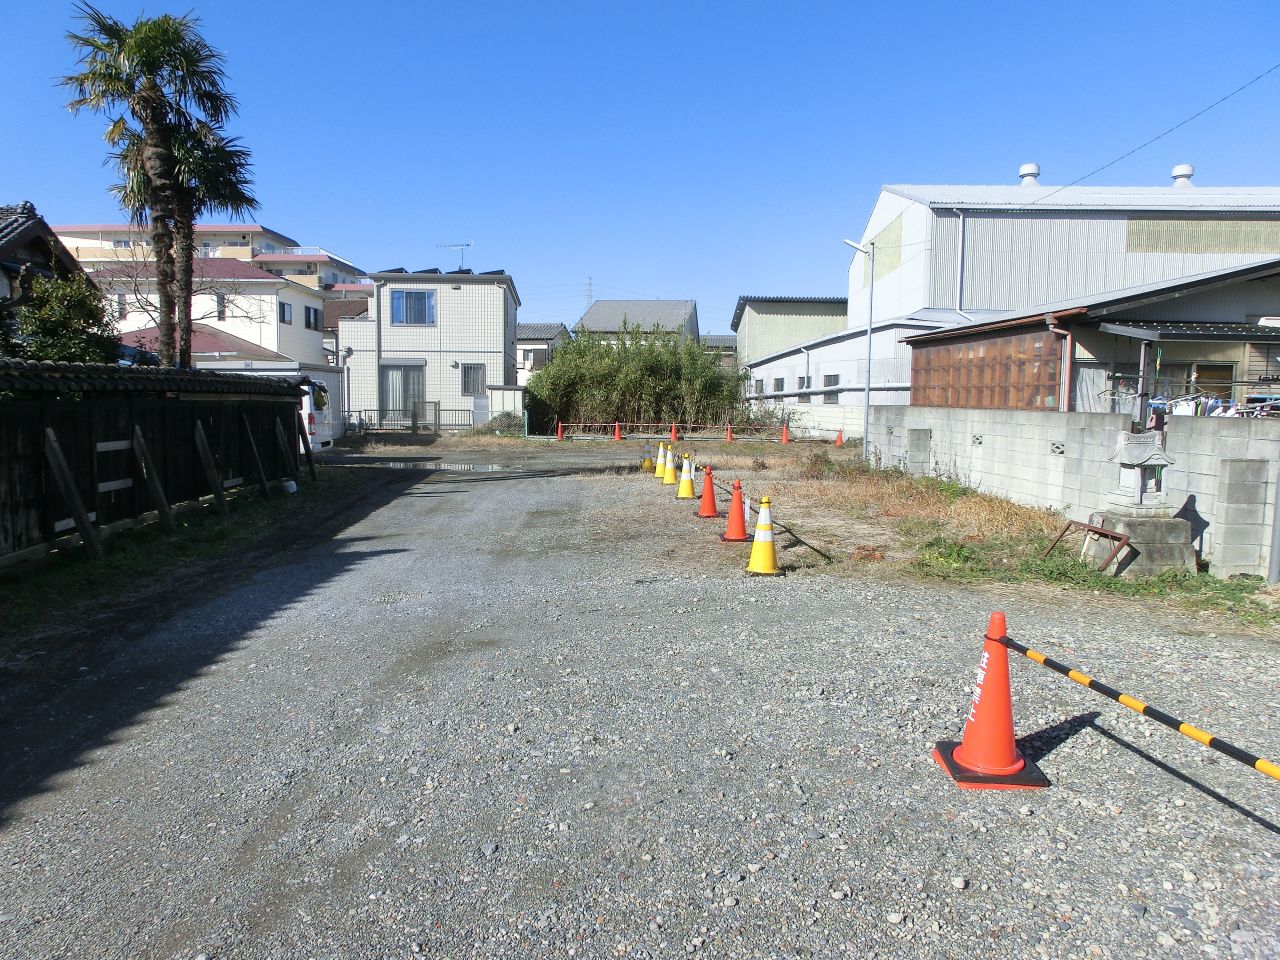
1029 172
1182 174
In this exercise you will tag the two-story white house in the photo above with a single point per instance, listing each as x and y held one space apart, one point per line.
431 342
950 255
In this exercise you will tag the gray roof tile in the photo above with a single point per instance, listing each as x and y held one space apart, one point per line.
606 316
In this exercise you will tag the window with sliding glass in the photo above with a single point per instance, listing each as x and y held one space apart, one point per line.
413 308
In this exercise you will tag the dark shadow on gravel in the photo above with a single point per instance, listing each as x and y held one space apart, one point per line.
107 677
1190 781
1035 747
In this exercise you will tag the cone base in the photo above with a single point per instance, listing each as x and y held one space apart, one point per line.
709 516
1028 778
765 573
724 538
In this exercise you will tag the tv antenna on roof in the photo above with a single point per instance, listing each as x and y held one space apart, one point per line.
462 251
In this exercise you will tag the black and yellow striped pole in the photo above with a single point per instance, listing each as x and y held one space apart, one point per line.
1137 706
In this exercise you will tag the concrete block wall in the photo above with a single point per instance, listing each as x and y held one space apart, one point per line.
1223 479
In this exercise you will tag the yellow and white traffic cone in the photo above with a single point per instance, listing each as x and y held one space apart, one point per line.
660 467
685 490
670 476
764 552
646 462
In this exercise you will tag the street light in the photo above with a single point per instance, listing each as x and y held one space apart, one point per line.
869 250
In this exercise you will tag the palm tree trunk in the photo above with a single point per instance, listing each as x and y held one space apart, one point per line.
184 265
157 162
162 250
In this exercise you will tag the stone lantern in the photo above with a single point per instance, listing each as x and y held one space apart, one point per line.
1142 461
1138 507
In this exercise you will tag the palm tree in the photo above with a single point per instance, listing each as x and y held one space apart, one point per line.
168 79
211 173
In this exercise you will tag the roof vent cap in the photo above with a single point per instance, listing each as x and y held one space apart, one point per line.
1028 172
1182 174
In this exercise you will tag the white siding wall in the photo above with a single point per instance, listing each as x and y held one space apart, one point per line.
474 324
251 314
899 290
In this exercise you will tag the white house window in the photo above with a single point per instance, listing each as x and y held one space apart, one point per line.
804 383
413 307
779 384
122 244
285 312
831 380
759 386
221 300
312 317
473 380
122 308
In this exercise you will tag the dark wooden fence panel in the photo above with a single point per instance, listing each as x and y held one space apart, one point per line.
94 429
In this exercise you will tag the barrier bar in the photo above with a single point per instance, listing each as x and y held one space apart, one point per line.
1137 706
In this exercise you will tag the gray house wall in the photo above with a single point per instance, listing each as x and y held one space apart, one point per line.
1223 478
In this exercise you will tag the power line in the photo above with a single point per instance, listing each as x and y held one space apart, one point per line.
1161 136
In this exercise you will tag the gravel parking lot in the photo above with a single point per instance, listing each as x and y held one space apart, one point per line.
509 715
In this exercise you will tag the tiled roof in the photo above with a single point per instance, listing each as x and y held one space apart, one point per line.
726 340
608 315
203 268
15 217
335 310
539 331
206 340
31 376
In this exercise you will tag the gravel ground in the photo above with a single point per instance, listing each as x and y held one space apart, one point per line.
551 717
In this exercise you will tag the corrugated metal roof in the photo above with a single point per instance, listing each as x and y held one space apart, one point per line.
725 340
32 376
1040 197
539 331
1102 304
607 316
746 299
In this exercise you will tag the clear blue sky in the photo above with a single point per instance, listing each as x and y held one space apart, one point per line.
665 149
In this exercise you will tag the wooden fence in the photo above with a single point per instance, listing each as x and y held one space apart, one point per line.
86 447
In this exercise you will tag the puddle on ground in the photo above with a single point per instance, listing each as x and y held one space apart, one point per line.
452 467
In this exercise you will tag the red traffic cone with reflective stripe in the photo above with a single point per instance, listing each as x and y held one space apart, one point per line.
675 437
617 430
736 530
707 508
728 434
559 430
786 434
987 758
839 438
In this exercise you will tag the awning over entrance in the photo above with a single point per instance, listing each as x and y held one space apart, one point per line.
1170 331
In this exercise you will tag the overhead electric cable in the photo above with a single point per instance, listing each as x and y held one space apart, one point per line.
1161 136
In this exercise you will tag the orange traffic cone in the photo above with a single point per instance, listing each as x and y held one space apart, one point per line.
839 438
708 506
987 758
617 430
674 435
728 434
559 430
736 531
786 434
